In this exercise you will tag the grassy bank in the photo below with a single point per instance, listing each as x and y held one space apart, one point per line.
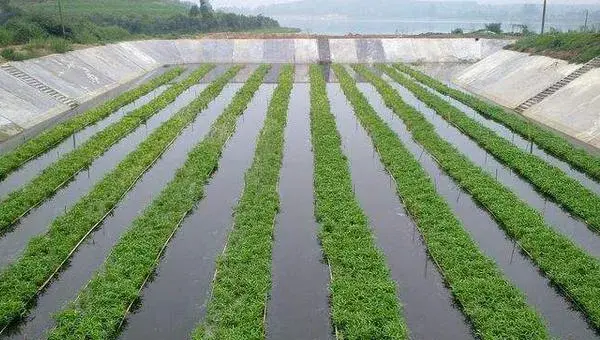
46 254
575 47
243 273
30 29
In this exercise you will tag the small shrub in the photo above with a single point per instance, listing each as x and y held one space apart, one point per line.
36 43
23 31
60 45
112 33
457 31
11 54
494 27
6 37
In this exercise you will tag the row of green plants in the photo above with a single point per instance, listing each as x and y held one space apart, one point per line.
102 305
243 274
496 308
550 142
565 264
364 304
550 180
45 255
45 185
34 147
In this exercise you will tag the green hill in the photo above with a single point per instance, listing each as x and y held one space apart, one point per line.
31 28
115 7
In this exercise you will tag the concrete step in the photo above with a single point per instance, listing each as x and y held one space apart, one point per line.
27 79
594 63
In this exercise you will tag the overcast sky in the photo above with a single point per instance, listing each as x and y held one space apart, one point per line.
255 3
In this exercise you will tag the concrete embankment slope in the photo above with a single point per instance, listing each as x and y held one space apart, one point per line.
34 91
512 78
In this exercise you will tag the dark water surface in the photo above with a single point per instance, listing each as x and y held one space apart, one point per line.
174 302
92 253
427 301
555 216
35 166
562 320
38 220
298 306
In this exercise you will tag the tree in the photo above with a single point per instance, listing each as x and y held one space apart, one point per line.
194 11
206 9
4 5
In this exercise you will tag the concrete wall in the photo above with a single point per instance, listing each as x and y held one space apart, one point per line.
510 78
86 74
574 109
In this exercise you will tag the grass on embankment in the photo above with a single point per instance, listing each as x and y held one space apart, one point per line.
496 308
568 266
364 304
45 254
575 47
550 180
49 138
243 273
102 305
550 142
45 185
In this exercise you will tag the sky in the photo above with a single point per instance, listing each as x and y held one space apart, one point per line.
256 3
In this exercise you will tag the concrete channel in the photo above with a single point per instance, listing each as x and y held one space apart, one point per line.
563 319
174 302
92 253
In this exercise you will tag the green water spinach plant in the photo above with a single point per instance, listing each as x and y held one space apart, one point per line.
496 308
548 179
34 147
243 273
572 269
45 255
363 295
549 141
102 305
44 186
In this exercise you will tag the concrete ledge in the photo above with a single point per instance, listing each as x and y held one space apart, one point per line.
84 75
574 109
510 78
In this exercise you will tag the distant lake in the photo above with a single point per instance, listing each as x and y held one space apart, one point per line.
342 25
